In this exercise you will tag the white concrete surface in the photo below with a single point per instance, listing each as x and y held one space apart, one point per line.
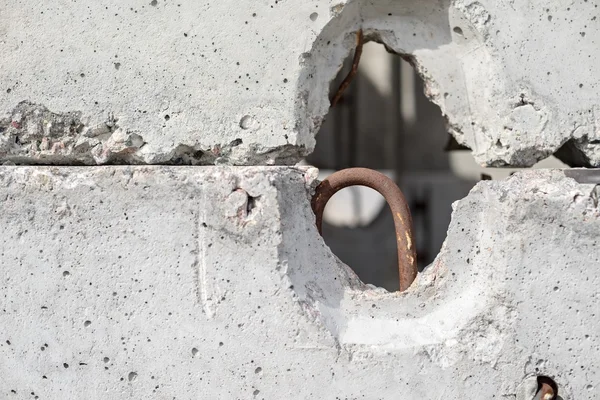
246 83
212 283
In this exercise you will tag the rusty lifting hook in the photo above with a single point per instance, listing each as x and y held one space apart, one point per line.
407 256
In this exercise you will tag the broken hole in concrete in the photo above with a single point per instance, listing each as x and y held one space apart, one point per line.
386 121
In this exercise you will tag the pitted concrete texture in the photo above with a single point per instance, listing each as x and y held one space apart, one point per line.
229 82
212 283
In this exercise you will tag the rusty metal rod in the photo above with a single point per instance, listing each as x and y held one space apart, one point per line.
407 256
346 82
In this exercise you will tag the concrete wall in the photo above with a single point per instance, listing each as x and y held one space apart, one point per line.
167 282
247 83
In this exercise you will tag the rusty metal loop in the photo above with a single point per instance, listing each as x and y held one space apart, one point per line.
407 256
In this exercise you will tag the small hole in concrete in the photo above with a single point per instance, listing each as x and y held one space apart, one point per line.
66 273
458 30
194 352
246 122
106 359
314 16
258 370
251 204
87 323
132 376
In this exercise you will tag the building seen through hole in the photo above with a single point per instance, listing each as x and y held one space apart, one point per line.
385 122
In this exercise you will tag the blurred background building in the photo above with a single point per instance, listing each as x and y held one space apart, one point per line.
385 122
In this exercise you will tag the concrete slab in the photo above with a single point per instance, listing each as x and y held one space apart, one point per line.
225 82
178 282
